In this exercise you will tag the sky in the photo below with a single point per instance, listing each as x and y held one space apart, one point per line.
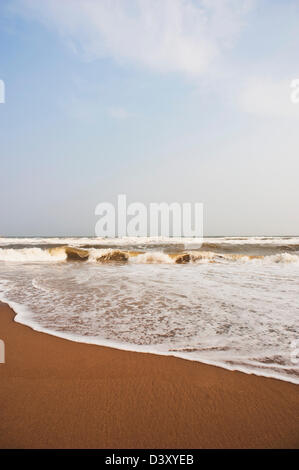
161 100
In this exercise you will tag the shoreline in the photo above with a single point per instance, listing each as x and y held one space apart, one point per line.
130 347
57 393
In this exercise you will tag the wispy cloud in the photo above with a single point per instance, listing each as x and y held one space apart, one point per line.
118 113
162 35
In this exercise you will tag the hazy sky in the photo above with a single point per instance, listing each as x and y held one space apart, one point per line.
162 100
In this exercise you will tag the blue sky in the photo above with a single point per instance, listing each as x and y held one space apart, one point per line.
162 100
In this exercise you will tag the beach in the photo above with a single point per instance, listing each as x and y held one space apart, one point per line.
57 393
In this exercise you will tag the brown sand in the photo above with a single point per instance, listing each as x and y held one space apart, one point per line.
57 393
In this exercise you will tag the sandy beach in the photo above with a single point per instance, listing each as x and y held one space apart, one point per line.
60 394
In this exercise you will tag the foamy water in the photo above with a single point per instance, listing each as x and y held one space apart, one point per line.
233 302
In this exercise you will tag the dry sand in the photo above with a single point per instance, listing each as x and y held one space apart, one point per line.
60 394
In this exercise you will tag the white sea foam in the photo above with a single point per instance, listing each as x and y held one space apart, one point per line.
31 255
79 241
152 257
128 241
283 258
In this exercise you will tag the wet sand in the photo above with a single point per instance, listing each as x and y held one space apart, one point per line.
56 393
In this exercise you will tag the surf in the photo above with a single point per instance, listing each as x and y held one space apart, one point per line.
152 256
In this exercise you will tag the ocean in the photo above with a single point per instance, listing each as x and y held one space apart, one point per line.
231 302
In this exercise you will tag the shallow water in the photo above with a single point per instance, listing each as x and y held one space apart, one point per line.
239 312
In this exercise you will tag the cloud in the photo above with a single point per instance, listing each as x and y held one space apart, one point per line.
268 97
183 36
118 113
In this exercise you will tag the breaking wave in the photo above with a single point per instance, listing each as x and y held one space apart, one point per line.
109 255
32 255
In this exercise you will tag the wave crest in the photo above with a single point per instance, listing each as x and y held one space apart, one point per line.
24 255
104 256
